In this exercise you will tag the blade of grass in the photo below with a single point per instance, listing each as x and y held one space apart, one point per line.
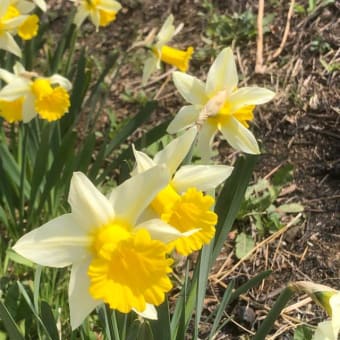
9 323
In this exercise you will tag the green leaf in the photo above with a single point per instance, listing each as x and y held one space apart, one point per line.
303 332
230 199
244 244
9 323
48 320
273 314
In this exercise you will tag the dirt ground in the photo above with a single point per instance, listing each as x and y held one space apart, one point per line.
300 127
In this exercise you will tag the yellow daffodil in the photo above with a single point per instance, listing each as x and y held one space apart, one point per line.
219 105
11 23
329 299
162 52
182 203
27 94
101 12
114 259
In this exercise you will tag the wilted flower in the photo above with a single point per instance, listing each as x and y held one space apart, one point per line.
219 105
182 203
27 94
329 299
162 52
114 259
101 12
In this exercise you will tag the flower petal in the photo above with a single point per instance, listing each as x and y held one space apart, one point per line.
185 117
80 16
131 197
222 74
205 139
249 96
41 4
62 81
89 206
8 43
80 301
143 162
174 153
57 243
15 89
150 312
202 177
238 136
190 88
167 31
28 110
150 66
159 230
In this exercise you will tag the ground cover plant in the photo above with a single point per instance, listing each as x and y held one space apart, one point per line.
151 187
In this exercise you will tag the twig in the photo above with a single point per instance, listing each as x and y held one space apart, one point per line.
286 32
267 240
259 68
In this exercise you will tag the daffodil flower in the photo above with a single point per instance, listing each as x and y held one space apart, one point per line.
27 94
329 299
11 23
101 12
162 52
329 330
114 259
219 105
182 203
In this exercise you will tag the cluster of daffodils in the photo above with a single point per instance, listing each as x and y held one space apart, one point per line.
27 95
120 245
16 20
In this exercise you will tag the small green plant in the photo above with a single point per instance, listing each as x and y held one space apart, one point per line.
262 206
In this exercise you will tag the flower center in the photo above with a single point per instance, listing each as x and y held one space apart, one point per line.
243 115
129 269
51 102
106 17
186 212
11 110
175 57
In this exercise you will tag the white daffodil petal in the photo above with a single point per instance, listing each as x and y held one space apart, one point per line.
202 177
334 302
109 5
62 81
14 90
205 139
19 68
80 17
150 66
162 231
89 206
41 4
8 43
249 96
239 137
190 88
143 162
222 74
57 243
167 31
80 301
185 117
325 331
131 197
28 110
6 76
174 153
4 6
150 312
25 7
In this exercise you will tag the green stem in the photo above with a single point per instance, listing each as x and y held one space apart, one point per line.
115 325
22 175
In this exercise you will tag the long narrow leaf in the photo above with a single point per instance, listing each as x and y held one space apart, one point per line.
9 323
